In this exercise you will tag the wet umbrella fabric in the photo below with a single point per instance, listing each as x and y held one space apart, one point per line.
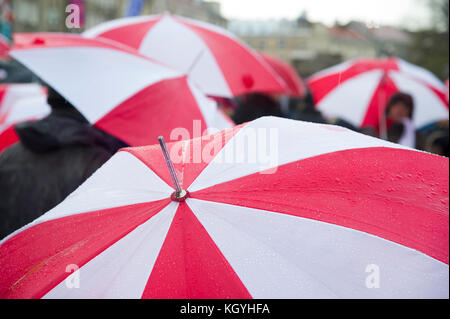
315 223
130 96
220 63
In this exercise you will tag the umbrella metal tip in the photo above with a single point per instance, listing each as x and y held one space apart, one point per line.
180 196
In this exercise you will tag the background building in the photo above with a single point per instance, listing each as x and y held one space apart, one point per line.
312 46
308 46
50 15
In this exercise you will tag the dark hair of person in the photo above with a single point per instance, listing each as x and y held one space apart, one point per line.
256 105
404 98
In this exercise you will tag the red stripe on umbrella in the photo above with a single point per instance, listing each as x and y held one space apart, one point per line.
189 253
288 74
8 137
381 96
19 103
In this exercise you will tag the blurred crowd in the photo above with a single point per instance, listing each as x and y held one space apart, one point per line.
399 111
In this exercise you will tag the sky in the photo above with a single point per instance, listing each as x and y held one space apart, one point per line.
411 14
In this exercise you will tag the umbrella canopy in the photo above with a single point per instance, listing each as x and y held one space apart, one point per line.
293 81
5 46
447 85
19 103
307 225
215 59
120 91
359 90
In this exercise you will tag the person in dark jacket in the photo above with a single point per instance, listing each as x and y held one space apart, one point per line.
53 157
306 111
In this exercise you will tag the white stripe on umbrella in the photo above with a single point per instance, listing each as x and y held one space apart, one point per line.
124 179
15 92
420 74
20 103
31 108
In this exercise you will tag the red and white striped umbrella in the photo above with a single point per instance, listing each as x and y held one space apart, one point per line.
120 91
293 81
19 103
447 92
5 46
215 59
359 90
321 218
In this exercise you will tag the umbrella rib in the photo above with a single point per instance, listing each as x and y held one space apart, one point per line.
179 194
194 63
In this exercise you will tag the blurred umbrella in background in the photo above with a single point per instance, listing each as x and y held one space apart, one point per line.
294 83
313 224
359 90
119 90
5 45
447 84
214 58
19 103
